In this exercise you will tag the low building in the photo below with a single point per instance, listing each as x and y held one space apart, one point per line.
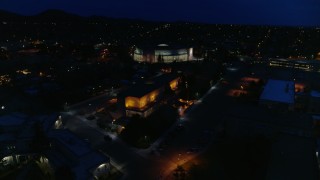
12 123
17 134
278 94
162 53
69 150
143 98
302 65
64 149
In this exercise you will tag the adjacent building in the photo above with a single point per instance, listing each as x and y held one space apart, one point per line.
162 53
302 65
19 132
144 98
278 94
68 150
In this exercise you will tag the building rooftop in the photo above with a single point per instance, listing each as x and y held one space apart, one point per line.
69 140
46 121
83 168
143 88
88 163
278 91
152 47
87 158
12 120
138 90
163 79
315 94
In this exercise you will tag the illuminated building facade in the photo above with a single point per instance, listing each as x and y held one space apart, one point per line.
143 99
302 65
163 53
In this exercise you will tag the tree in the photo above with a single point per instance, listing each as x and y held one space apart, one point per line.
40 141
179 172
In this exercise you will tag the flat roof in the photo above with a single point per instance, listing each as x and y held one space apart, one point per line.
315 93
88 163
69 140
46 122
154 83
161 46
85 164
164 78
278 91
12 120
139 90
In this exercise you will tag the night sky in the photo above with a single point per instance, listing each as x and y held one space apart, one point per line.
274 12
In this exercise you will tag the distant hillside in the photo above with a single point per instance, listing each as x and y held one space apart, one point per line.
56 15
9 16
53 15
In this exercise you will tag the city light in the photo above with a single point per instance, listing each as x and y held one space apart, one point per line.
112 98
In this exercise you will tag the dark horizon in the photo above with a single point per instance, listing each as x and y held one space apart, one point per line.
275 13
150 20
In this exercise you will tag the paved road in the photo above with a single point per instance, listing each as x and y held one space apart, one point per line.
206 115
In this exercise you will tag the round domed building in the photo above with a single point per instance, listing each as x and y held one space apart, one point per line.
162 53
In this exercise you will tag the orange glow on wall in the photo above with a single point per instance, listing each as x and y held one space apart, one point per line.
132 102
174 84
143 102
299 87
236 92
250 79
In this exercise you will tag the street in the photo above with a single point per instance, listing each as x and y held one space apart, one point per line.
205 116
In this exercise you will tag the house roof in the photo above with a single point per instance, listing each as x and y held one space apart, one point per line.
12 120
278 91
315 94
152 84
71 142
